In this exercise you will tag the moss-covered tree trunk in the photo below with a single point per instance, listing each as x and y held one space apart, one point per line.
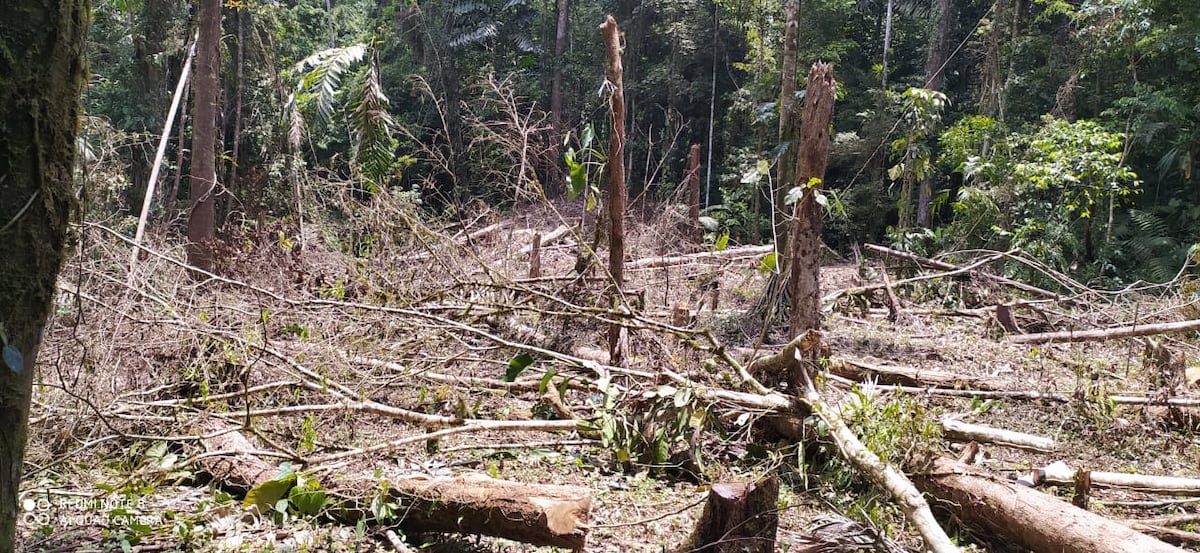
41 75
203 179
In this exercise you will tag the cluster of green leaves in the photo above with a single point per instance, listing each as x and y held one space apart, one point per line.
288 495
651 427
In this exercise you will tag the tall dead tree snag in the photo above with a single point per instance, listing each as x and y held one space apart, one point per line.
804 245
202 218
616 174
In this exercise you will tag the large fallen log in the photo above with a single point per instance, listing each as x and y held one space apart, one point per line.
1025 516
537 514
1103 334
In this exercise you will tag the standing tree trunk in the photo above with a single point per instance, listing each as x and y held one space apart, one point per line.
887 40
787 126
563 8
935 58
41 76
616 176
693 181
239 86
805 243
201 220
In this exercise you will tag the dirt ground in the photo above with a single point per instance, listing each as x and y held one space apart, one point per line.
135 366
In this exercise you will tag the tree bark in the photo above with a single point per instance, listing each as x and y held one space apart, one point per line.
935 58
561 28
1025 516
786 168
538 514
738 518
41 76
694 192
616 175
805 247
202 218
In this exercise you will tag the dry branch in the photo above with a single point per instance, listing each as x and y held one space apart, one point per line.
1025 516
1106 333
926 262
1060 474
965 432
727 254
915 509
906 376
549 238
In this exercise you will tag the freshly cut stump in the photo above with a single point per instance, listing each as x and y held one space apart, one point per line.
738 518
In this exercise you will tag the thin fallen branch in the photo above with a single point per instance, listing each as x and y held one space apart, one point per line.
1106 333
727 254
1060 474
926 262
906 376
548 239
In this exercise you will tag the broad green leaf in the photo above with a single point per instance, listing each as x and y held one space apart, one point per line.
517 365
722 241
265 495
768 263
308 498
764 167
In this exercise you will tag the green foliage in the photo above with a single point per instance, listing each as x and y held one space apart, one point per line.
1080 162
288 494
649 427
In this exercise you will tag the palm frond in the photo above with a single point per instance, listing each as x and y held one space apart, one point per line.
325 75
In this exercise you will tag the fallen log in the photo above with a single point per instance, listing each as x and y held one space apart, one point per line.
537 514
965 432
1104 334
1060 474
926 262
727 254
229 461
905 376
548 239
738 517
1025 516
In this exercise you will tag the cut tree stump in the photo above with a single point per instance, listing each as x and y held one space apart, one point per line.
1025 516
738 518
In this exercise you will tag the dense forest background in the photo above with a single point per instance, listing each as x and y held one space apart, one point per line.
1066 129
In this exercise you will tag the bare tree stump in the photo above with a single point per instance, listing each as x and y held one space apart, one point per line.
535 257
616 176
737 518
693 180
